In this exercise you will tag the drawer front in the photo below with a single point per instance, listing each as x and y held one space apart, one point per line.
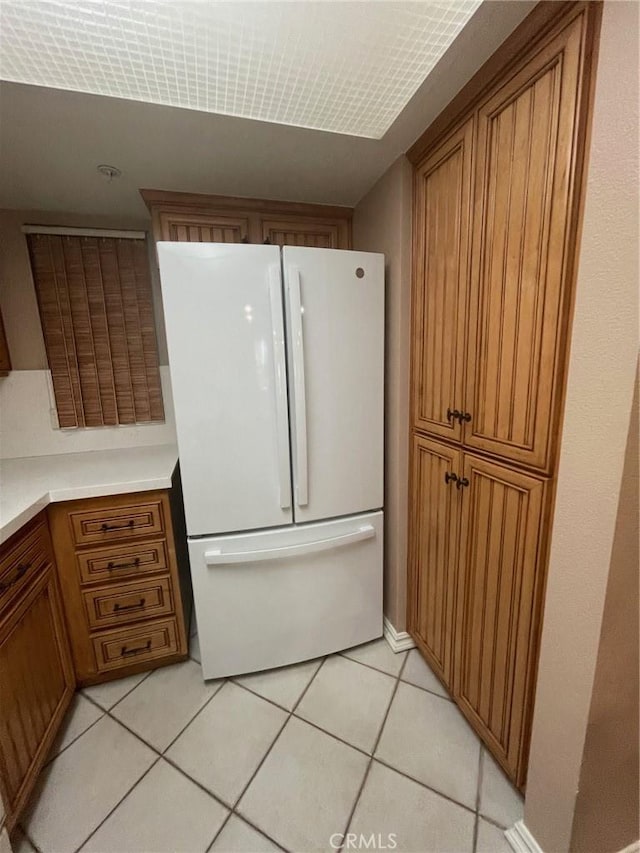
116 523
21 560
117 649
127 602
122 561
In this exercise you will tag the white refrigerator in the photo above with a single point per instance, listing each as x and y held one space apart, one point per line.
276 359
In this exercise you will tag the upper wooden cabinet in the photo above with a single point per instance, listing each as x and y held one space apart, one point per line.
505 313
442 207
519 290
222 219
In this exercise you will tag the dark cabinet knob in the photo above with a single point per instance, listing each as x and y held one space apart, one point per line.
449 477
461 482
452 415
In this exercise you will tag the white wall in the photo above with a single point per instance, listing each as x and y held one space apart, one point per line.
602 366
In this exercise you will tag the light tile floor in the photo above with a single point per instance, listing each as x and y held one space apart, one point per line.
365 742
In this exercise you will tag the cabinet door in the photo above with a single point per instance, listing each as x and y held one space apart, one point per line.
442 216
499 589
519 296
299 232
5 359
433 539
37 684
203 228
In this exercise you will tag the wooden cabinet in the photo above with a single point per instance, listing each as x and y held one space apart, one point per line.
519 289
36 673
223 219
498 587
441 209
434 545
5 358
123 602
497 185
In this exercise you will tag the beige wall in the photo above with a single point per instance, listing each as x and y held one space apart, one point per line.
602 366
607 815
17 294
382 223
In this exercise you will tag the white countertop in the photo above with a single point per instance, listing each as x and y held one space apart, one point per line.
30 484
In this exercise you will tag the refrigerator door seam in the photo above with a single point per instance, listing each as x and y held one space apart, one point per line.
299 392
279 366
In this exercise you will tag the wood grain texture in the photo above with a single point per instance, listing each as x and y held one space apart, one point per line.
224 219
499 573
37 684
125 575
442 193
433 534
519 292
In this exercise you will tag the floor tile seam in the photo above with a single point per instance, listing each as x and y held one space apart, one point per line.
375 746
52 758
478 789
120 801
221 684
255 826
219 830
234 679
426 690
433 790
21 827
122 698
267 753
370 666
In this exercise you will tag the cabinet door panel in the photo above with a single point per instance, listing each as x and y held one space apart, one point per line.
433 542
442 194
37 684
298 232
499 584
518 294
203 228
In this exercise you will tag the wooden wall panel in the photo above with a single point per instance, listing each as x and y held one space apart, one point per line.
442 213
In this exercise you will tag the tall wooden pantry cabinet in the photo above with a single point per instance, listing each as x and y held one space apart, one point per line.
497 203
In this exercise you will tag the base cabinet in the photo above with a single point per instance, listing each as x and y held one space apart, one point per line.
477 580
36 681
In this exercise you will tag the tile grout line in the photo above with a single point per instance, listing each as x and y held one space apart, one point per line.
120 801
391 675
373 750
478 790
290 714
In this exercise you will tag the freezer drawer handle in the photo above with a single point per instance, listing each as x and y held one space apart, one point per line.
218 557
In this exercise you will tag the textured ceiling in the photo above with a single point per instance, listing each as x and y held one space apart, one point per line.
343 67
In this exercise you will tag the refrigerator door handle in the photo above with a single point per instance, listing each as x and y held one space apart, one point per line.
279 367
219 557
295 303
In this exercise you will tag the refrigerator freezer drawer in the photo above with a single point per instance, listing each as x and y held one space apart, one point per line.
280 596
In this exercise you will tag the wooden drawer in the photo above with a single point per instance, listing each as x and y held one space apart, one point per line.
117 649
20 559
118 522
122 561
128 602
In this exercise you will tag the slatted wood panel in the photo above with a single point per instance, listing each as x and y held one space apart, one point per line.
518 294
203 228
433 537
499 584
5 358
441 207
37 683
289 232
94 295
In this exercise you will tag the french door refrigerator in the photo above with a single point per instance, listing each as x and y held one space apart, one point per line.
277 360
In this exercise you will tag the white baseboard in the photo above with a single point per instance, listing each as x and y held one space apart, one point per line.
399 641
521 840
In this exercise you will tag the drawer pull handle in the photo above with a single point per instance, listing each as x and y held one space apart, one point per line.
132 565
126 652
107 527
120 608
20 571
